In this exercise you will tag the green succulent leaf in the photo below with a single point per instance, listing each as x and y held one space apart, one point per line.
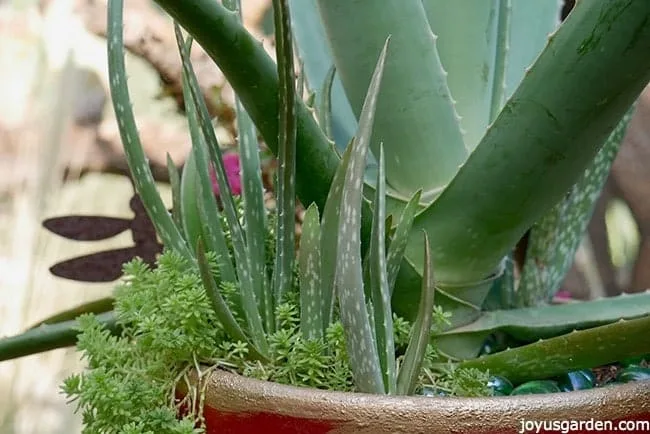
136 159
379 289
416 119
312 306
199 206
226 318
400 239
554 240
286 194
175 182
48 337
313 50
360 339
533 323
409 372
242 261
549 131
99 306
581 349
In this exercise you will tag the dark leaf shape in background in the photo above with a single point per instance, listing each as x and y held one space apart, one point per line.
105 266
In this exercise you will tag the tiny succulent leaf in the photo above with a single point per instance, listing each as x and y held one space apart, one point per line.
175 183
400 238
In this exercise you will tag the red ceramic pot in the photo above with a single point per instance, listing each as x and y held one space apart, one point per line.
239 405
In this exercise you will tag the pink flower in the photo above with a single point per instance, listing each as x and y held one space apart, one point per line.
231 164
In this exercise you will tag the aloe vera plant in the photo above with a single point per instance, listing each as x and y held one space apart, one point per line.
467 127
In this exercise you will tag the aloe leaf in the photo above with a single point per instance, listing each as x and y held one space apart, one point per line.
201 216
380 291
286 195
311 43
531 23
409 372
360 340
311 299
96 306
554 240
136 159
254 78
219 305
48 337
400 238
175 182
586 78
253 194
249 303
329 245
416 119
533 323
325 105
473 55
576 350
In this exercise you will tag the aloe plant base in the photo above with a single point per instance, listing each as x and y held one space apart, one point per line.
240 405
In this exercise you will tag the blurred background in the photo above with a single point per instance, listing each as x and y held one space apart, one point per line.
60 154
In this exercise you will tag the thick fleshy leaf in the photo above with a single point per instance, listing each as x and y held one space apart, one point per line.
416 119
379 289
409 373
360 339
311 299
138 162
286 186
554 240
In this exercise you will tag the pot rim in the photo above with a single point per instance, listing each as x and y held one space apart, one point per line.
229 392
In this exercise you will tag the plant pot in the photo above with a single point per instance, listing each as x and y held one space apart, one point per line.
235 404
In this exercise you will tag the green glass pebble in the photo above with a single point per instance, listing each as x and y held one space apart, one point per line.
536 386
500 386
576 380
633 373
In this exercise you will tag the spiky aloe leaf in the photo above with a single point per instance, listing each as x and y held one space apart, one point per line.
329 245
219 305
533 323
49 337
473 54
242 262
409 372
199 207
360 339
286 194
554 240
552 127
531 23
255 80
576 350
315 53
311 295
420 154
379 289
175 182
400 238
138 163
253 195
